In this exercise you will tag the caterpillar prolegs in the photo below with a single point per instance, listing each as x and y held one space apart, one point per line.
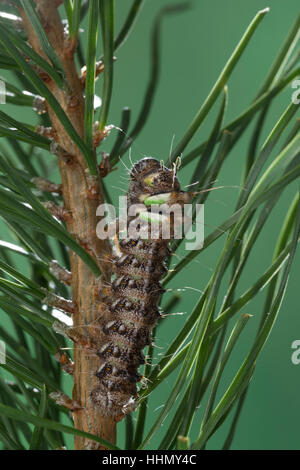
132 300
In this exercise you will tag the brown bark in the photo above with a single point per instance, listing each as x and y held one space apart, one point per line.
82 204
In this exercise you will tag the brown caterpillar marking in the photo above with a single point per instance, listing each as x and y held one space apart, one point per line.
125 328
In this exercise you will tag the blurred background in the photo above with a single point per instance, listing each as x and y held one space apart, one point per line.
195 46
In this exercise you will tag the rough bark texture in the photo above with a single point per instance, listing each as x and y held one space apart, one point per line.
82 201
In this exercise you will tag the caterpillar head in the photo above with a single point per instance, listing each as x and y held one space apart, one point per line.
153 177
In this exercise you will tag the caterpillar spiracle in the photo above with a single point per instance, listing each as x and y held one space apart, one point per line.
132 304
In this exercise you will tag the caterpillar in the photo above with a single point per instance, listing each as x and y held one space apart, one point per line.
132 302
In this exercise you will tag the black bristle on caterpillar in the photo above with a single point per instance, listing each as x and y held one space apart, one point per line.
132 304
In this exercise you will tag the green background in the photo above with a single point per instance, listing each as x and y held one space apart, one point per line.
195 47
